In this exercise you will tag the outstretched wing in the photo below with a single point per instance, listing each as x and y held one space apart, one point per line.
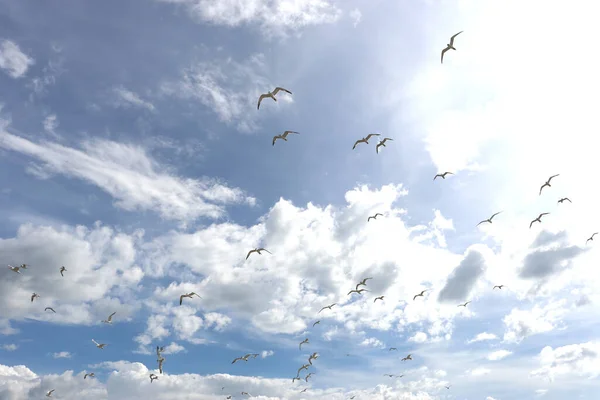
280 89
444 52
370 135
453 36
262 96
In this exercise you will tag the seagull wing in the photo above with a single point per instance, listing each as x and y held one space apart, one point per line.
250 252
275 138
280 89
370 135
262 96
444 52
263 249
499 212
110 316
553 176
181 299
453 36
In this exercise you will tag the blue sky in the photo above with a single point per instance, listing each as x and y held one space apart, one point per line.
132 153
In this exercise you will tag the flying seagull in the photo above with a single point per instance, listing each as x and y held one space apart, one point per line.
378 298
563 199
303 390
254 355
374 216
305 366
271 95
23 266
99 345
489 219
408 357
362 283
359 291
328 307
153 377
591 237
91 375
49 394
246 393
14 269
390 375
365 139
245 358
447 387
382 143
295 379
308 376
160 362
420 294
49 308
443 176
62 269
109 319
318 322
305 341
393 348
548 182
188 295
282 136
257 250
450 45
538 219
313 356
464 305
498 286
159 350
34 296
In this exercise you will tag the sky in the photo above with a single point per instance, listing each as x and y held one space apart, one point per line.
132 154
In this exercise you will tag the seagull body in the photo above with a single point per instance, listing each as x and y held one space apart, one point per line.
271 95
62 269
153 377
443 176
408 357
420 294
188 295
328 307
282 136
591 237
109 319
382 143
160 363
464 305
49 394
548 183
450 46
91 375
318 322
374 216
14 269
49 308
257 251
99 345
359 291
365 139
489 219
378 298
34 296
538 219
498 286
364 281
313 356
23 266
305 341
393 348
390 375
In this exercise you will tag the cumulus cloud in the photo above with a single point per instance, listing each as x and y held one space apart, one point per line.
266 353
419 337
62 354
372 342
463 278
547 261
539 319
575 359
12 60
498 355
482 337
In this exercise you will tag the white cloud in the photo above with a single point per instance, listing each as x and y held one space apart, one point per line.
480 337
372 342
575 359
479 371
50 124
356 16
127 98
13 60
128 174
10 347
266 353
539 319
173 348
541 392
498 355
62 354
419 337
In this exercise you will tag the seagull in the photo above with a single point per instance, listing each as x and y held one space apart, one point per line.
450 45
548 183
374 216
365 139
308 376
109 319
303 342
245 358
23 266
33 296
49 308
443 176
255 355
489 219
420 294
282 136
228 397
329 307
408 357
159 350
591 237
271 95
393 348
62 269
14 269
563 199
246 393
303 390
464 305
153 377
352 398
313 356
378 298
99 345
257 251
160 363
382 143
318 322
91 375
359 291
305 366
498 286
447 387
538 219
390 375
49 394
363 282
188 295
295 379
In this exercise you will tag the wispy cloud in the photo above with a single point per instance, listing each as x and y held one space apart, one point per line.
127 98
266 353
480 337
356 17
50 124
10 347
498 355
62 354
13 60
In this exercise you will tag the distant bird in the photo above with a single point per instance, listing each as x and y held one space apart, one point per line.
254 355
359 291
160 362
318 322
49 308
91 375
271 95
328 307
378 298
313 356
548 183
464 305
408 357
244 358
352 398
393 348
282 136
49 394
365 139
498 286
305 341
223 388
24 266
390 375
563 199
109 319
246 393
305 366
228 397
295 379
591 237
382 143
450 46
257 251
99 345
159 350
374 216
153 377
363 282
308 376
489 219
538 219
34 296
443 176
188 295
14 269
447 387
420 294
303 390
62 269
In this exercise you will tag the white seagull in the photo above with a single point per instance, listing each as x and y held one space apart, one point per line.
538 219
271 95
450 46
14 269
91 375
548 183
305 341
257 250
188 295
283 136
99 345
365 139
153 377
109 319
381 143
49 308
49 394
